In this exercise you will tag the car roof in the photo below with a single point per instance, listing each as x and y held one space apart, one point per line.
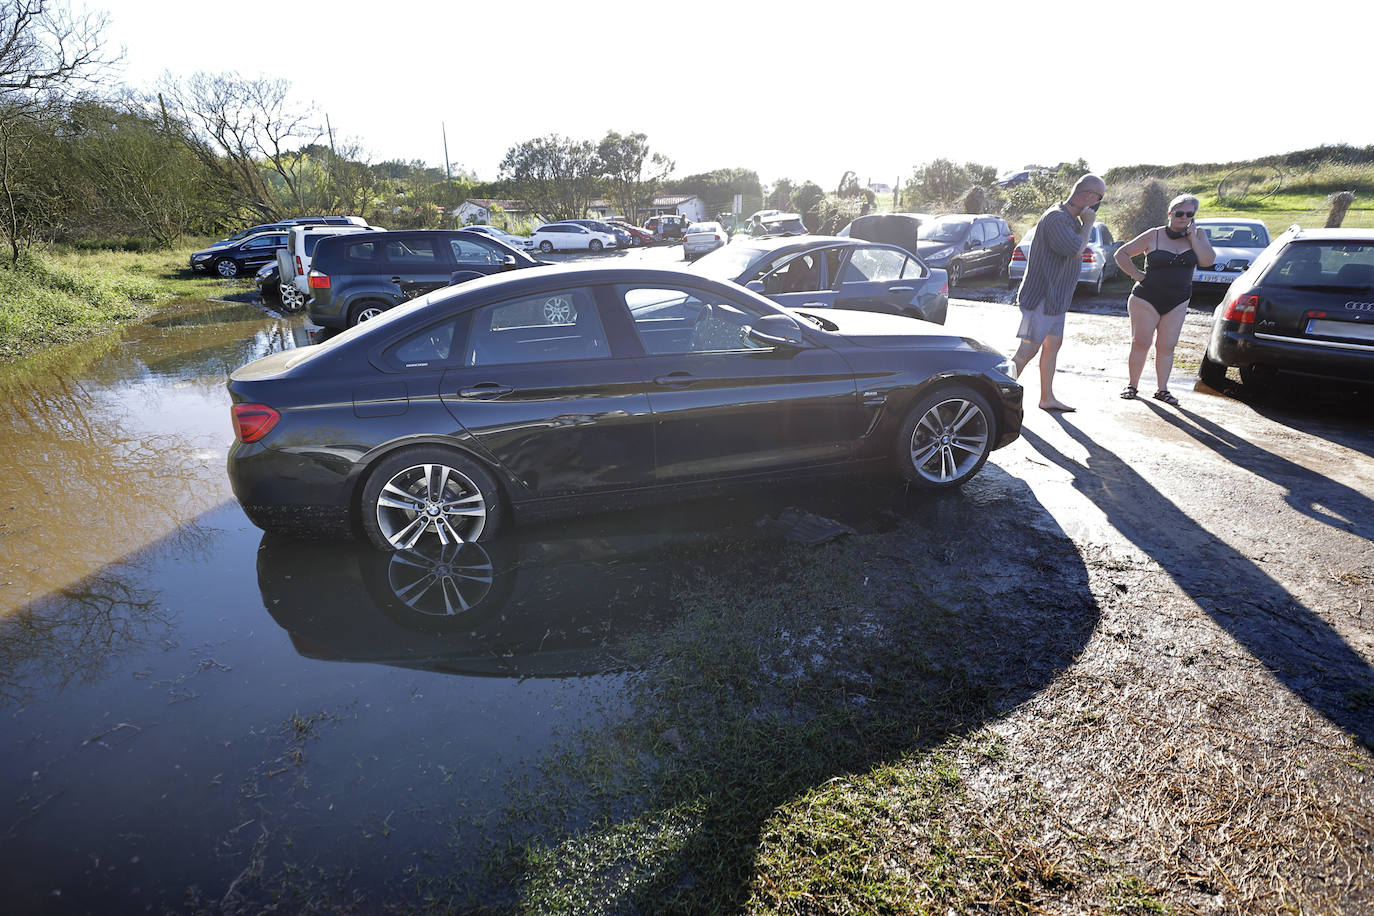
1332 235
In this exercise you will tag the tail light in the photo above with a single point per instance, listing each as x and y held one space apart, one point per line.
253 421
319 280
1088 256
1242 309
1018 255
300 268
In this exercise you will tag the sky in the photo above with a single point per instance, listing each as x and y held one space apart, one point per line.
790 90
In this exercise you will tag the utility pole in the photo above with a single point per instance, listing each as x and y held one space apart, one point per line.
448 176
333 155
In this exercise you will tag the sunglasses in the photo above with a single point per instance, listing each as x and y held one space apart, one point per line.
1185 214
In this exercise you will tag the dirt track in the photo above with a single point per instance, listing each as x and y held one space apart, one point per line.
1215 728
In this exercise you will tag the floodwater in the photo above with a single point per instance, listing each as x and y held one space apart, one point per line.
194 714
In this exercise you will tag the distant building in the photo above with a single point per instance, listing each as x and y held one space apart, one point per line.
479 210
688 205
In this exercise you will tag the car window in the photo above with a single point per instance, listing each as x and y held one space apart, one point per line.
548 327
432 345
470 251
412 252
944 230
1324 263
913 269
874 265
672 320
1236 235
361 251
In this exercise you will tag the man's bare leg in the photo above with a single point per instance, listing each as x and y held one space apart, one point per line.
1049 360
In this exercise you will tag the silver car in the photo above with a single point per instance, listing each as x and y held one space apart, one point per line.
1237 243
1099 259
703 238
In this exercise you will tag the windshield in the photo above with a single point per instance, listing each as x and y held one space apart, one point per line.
779 226
726 263
1236 235
946 230
1335 264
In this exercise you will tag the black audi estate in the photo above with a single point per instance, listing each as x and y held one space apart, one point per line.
544 392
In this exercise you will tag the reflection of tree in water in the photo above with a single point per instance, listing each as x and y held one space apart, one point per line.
78 635
123 436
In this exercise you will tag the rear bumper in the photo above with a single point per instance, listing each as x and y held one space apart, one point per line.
1320 359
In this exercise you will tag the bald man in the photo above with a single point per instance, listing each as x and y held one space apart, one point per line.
1051 274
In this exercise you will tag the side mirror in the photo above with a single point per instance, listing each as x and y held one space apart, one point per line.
776 331
508 262
755 285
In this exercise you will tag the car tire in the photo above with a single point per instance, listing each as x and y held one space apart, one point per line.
955 273
546 246
595 246
429 491
366 311
1257 379
1097 287
1212 373
227 268
946 438
292 299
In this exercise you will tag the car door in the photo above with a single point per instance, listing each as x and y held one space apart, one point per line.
472 255
538 387
806 279
882 278
419 262
256 252
727 405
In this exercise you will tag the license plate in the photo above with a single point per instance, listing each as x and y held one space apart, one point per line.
1213 276
1351 330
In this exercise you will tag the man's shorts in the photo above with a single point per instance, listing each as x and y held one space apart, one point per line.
1036 325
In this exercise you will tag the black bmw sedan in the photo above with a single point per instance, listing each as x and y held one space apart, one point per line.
540 393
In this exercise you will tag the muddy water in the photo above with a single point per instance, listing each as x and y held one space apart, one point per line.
119 442
197 716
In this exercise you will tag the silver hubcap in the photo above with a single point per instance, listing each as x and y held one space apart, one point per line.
441 582
558 310
430 498
228 269
368 314
291 297
949 440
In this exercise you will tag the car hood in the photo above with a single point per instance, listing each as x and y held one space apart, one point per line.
1225 253
925 246
219 246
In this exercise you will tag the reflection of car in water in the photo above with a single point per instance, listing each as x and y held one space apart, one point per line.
511 608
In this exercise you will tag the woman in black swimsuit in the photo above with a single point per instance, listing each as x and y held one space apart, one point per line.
1159 301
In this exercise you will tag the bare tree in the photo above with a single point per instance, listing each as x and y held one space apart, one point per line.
246 130
45 48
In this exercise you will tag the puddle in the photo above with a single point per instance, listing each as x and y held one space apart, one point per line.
115 443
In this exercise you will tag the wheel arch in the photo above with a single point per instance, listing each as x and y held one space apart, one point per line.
948 379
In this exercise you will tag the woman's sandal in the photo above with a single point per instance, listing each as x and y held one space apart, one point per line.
1166 397
1129 393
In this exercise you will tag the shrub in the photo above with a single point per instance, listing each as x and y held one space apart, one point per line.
1141 205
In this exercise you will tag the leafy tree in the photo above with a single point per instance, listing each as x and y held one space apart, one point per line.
807 201
717 189
552 175
938 181
849 186
632 173
780 197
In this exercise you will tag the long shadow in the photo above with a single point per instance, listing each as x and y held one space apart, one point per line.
1307 491
1297 646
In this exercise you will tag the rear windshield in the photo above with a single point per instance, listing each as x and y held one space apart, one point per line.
1326 263
1236 235
946 230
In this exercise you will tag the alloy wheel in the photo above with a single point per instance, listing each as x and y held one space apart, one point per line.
430 498
949 441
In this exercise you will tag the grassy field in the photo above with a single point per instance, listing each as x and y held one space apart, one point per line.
53 296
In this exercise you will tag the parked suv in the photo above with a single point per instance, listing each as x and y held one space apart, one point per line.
965 243
286 224
230 259
1305 306
358 276
666 227
293 261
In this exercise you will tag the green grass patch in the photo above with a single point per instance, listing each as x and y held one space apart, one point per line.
57 296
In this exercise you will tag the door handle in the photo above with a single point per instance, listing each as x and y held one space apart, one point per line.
396 279
485 392
901 289
675 380
815 305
